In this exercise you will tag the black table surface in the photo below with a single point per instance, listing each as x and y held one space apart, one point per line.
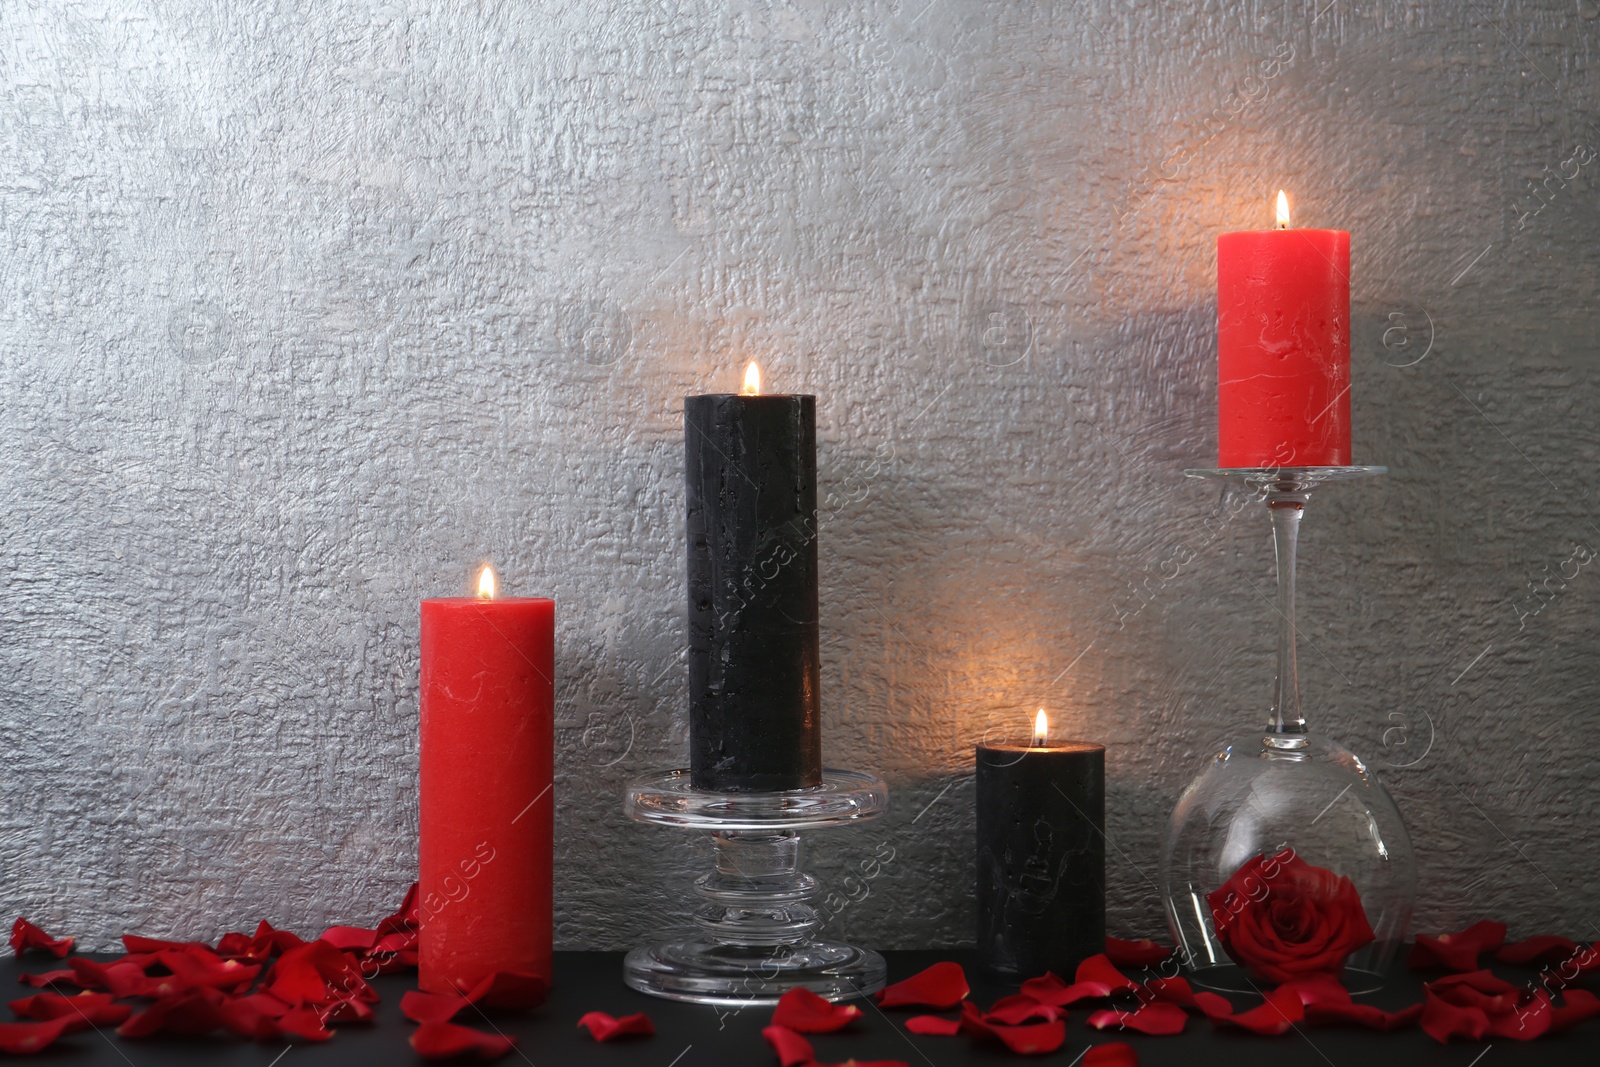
689 1035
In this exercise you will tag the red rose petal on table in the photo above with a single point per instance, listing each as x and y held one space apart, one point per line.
1276 1014
1458 951
1100 971
20 1039
26 937
1442 1020
1032 1039
1157 1018
346 1011
1111 1054
1141 953
1576 1006
197 1011
804 1011
933 1025
1319 989
1525 1022
1364 1015
603 1027
48 978
944 985
316 973
792 1049
510 989
118 978
422 1007
1543 948
137 945
304 1023
1019 1008
81 1012
191 970
345 938
437 1041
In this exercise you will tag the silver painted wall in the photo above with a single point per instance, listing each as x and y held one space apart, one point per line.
305 309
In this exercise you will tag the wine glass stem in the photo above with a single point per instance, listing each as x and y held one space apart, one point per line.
1286 509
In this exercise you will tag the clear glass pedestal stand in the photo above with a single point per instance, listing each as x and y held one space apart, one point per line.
1282 786
755 936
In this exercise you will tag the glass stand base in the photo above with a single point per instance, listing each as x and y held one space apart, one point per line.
757 935
1226 978
704 971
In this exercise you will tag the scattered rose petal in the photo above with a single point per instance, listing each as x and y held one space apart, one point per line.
1096 977
117 977
1458 951
316 973
304 1023
510 989
197 1011
1442 1020
944 985
1111 1054
1276 1014
933 1025
81 1012
792 1049
804 1011
20 1039
1099 970
1032 1039
1178 991
345 938
1544 948
1319 989
1478 1003
149 946
195 968
1576 1006
422 1007
1141 953
603 1027
26 937
1019 1008
1156 1018
1363 1015
48 978
437 1041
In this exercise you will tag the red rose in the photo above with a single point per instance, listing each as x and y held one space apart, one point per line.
1282 918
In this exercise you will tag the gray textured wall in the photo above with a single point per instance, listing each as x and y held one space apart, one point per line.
306 308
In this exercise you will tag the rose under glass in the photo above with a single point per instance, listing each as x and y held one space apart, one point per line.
1271 801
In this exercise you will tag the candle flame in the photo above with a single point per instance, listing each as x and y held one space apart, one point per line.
1041 728
752 379
1283 211
486 583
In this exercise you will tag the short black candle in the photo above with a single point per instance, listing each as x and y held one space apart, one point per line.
1041 857
754 656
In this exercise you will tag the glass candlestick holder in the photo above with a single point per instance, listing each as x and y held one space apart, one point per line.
755 935
1280 815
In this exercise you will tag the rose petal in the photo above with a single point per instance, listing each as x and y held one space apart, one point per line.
510 989
1156 1018
1525 1022
1141 953
27 937
1458 951
138 945
345 938
422 1007
20 1039
944 985
316 973
933 1025
1319 990
1178 991
1543 948
118 978
1280 1010
437 1041
48 978
1576 1006
1027 1040
194 1012
1442 1020
193 969
1019 1008
81 1012
792 1049
1099 970
304 1023
1363 1015
1111 1054
804 1011
1049 989
603 1027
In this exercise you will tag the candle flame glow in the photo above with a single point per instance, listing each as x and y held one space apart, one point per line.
1041 728
1283 211
486 583
752 379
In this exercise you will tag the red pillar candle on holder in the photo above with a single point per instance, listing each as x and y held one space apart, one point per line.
1283 347
487 818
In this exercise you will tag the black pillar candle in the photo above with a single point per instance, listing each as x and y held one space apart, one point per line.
754 658
1041 857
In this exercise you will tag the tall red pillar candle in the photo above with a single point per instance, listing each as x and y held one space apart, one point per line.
487 820
1283 347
